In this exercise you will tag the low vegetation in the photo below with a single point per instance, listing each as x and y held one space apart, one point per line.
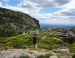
24 56
47 40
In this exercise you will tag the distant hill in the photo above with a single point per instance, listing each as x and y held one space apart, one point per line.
46 26
14 22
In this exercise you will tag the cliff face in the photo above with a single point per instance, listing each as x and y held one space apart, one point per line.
37 22
14 22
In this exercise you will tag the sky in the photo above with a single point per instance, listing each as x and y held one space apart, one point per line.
58 12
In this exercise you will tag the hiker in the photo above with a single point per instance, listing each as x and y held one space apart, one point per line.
35 39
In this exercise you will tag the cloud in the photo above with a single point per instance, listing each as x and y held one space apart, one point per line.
36 5
48 3
67 7
0 4
71 12
62 2
57 21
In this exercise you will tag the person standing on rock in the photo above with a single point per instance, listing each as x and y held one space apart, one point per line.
35 39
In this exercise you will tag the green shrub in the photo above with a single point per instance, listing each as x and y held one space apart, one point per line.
42 56
73 56
47 55
19 41
24 56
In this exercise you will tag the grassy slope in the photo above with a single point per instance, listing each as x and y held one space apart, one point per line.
46 41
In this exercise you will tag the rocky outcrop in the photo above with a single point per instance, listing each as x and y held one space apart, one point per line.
16 53
14 22
36 21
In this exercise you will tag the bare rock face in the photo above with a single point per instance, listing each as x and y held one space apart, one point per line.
16 53
14 22
37 22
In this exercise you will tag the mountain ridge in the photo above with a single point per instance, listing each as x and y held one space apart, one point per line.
15 22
